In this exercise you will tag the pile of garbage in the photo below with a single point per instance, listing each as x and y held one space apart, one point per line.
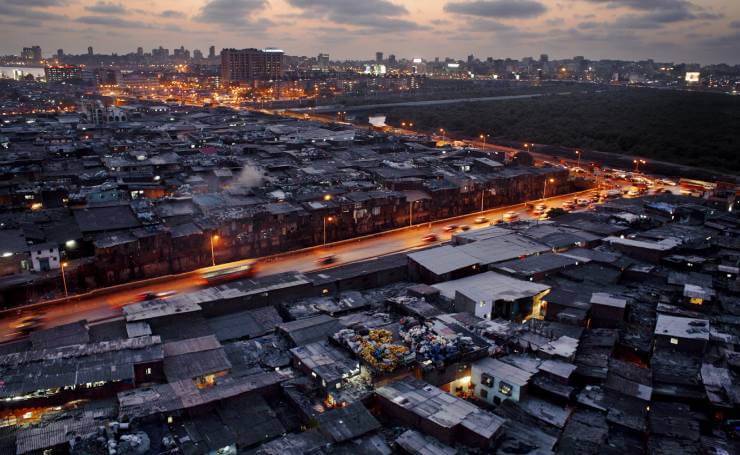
429 346
376 349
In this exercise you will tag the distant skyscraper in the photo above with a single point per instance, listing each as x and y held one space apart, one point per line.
392 59
323 61
212 52
471 58
378 57
89 50
197 54
544 58
32 53
140 51
60 54
248 65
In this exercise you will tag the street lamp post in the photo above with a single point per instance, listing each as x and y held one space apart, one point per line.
64 279
442 132
578 154
214 238
637 164
329 219
411 212
544 190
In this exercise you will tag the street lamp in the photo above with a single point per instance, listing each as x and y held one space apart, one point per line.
637 164
578 154
327 197
442 132
64 279
214 238
545 188
483 137
329 219
411 212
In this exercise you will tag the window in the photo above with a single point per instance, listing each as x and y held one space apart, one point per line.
148 371
674 340
486 380
505 388
484 393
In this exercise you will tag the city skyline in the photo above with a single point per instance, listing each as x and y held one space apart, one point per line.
705 32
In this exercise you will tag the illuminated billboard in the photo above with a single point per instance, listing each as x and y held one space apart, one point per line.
692 77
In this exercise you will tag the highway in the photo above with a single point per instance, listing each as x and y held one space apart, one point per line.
107 303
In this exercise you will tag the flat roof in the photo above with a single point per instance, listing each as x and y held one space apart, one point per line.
602 298
504 371
663 245
443 260
674 326
502 248
158 308
490 286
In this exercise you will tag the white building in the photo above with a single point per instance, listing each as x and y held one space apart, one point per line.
44 257
496 381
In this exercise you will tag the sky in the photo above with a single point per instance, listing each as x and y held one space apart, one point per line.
702 31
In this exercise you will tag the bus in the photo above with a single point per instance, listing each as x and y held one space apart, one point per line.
230 273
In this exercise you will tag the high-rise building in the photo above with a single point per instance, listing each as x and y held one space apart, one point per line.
544 58
197 54
90 50
392 59
323 61
140 51
60 54
61 73
378 57
248 65
32 53
212 52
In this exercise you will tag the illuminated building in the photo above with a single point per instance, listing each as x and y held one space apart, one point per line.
248 65
61 73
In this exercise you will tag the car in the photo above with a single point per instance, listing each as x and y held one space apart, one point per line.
481 220
151 295
28 324
326 260
510 217
464 227
568 206
451 228
430 238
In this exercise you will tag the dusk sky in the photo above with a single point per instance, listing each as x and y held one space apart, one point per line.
704 31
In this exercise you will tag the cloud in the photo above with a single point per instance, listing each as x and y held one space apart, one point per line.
504 9
106 8
18 10
651 14
110 21
236 13
375 15
172 14
36 3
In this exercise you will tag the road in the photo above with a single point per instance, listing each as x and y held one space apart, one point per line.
106 305
366 107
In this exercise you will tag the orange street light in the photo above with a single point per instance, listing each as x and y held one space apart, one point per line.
329 219
578 154
214 239
327 197
544 190
64 279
